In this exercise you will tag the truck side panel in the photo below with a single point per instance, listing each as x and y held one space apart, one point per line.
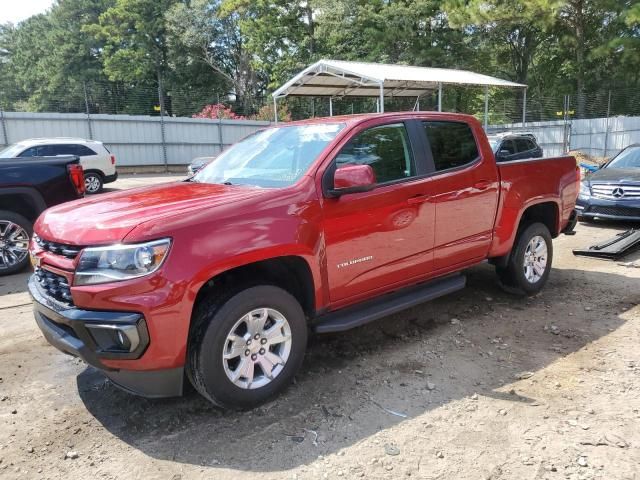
525 183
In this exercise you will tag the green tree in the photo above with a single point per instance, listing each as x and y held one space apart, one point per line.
134 33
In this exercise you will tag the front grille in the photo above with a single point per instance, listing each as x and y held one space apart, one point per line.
54 286
615 211
616 192
68 251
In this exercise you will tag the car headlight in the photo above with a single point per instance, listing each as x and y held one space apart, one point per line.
115 263
585 191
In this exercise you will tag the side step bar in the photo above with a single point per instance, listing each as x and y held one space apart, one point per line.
388 304
613 248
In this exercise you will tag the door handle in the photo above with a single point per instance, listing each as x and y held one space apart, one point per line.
482 184
418 199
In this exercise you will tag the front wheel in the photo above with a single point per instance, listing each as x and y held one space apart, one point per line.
530 262
246 348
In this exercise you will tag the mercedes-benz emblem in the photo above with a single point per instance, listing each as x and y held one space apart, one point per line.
618 192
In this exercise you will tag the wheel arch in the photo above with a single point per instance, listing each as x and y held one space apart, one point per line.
23 201
546 212
292 273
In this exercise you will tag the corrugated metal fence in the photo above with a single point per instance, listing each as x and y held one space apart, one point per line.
136 140
598 137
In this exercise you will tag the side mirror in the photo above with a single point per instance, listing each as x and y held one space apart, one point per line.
504 153
353 179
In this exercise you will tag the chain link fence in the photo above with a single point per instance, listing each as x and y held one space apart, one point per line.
597 124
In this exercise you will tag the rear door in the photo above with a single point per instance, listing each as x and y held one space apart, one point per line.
464 189
384 237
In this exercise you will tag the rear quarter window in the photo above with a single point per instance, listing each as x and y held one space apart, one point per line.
452 144
84 151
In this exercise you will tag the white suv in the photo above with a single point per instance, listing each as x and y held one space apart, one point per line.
98 163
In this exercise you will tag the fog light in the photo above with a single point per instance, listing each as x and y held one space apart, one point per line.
115 338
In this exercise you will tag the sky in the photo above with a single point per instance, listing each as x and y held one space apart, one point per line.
17 10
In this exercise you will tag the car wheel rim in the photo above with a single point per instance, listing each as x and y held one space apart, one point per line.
91 184
535 259
14 244
257 348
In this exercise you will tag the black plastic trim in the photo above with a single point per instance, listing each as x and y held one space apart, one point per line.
372 310
150 383
66 328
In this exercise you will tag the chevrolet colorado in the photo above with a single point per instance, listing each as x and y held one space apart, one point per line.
27 188
319 225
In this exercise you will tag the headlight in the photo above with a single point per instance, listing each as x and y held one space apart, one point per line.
120 262
585 191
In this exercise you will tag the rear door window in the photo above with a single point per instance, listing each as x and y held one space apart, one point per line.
452 144
523 145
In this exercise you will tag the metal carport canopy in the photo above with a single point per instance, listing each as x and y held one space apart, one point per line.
338 79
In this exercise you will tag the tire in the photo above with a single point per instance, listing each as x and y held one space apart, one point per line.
521 276
93 182
216 318
15 233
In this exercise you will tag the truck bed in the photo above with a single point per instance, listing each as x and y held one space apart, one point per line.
528 182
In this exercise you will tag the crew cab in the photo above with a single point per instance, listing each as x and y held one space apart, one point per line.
26 190
320 225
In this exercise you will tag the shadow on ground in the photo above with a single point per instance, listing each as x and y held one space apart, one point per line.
355 384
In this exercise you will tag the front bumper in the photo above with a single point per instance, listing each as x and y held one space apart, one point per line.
592 207
74 331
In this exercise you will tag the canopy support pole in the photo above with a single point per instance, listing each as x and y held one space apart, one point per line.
381 104
275 110
439 97
486 107
331 106
524 107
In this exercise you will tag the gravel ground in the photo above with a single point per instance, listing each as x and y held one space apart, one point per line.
477 385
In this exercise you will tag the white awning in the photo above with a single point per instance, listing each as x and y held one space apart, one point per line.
334 78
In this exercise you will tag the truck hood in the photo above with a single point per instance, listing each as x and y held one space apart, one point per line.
615 175
108 218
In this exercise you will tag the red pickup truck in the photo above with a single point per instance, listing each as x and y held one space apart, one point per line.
320 225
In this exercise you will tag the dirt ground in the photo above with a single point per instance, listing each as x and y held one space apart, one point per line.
476 385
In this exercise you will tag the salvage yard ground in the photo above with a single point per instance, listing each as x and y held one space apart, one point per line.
476 385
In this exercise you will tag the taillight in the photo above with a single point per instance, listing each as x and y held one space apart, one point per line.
77 177
113 159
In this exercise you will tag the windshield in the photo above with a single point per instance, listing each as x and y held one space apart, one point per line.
629 158
12 150
274 157
494 142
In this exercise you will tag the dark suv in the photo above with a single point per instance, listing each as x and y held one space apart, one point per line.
514 146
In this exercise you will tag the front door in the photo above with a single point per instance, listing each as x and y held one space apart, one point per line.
383 237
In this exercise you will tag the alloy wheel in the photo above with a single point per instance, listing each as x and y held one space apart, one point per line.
257 348
535 259
14 244
92 183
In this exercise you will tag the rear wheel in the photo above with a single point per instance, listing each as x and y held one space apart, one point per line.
93 182
530 261
246 347
15 232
